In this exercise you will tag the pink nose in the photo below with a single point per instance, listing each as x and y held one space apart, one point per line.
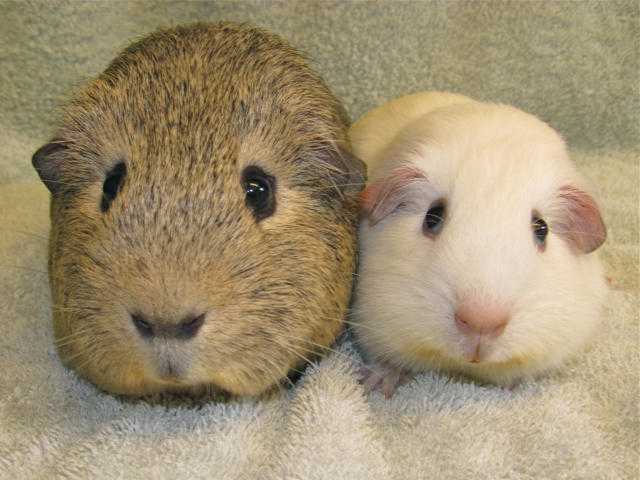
474 319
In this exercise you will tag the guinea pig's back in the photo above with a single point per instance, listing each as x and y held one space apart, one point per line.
377 129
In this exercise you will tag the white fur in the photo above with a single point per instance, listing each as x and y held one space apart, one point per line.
493 165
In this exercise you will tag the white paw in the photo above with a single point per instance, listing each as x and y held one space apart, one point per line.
383 377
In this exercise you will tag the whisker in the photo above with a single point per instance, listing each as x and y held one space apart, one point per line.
273 375
317 345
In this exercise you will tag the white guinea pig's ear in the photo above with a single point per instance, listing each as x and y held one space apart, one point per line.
404 186
580 222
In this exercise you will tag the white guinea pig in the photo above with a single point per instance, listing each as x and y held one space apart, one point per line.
476 242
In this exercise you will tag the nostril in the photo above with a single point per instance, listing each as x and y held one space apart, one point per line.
190 326
142 325
495 324
499 327
462 323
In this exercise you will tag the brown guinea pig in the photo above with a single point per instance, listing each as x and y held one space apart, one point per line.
204 212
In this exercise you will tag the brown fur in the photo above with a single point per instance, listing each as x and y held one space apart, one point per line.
187 109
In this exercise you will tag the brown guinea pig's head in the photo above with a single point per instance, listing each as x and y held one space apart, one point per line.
203 209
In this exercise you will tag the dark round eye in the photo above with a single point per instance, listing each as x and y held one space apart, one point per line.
540 229
112 185
259 191
434 219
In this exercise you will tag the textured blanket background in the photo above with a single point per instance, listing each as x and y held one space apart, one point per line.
575 64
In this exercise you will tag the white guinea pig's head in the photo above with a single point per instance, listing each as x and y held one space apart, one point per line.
476 248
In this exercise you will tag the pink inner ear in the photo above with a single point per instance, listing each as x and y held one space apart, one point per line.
581 225
382 197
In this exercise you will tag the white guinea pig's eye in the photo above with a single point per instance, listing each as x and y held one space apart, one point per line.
434 219
540 230
259 191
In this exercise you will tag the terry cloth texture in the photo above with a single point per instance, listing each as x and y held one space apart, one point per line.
574 64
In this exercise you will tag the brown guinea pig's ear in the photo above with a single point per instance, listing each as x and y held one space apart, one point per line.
403 186
48 163
580 222
347 171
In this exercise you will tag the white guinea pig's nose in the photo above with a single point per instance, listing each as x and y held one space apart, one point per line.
481 319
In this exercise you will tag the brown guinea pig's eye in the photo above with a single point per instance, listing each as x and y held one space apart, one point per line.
112 185
259 190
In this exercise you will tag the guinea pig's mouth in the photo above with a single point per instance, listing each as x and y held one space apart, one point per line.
170 371
172 379
474 350
170 367
486 354
477 350
171 374
480 347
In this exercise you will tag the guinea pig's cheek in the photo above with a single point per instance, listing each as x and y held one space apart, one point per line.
231 378
525 340
289 205
498 351
427 353
238 385
87 203
130 381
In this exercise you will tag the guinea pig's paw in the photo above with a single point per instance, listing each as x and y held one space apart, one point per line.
383 377
510 387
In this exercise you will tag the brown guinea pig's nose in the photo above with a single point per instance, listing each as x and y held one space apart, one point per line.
474 319
148 328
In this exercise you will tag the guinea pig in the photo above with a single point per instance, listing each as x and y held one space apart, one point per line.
476 244
204 211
